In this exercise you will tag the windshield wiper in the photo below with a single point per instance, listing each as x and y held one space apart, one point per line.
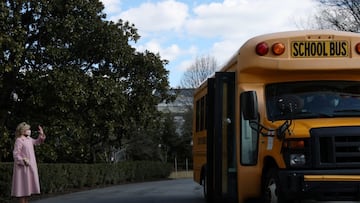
323 115
307 114
347 111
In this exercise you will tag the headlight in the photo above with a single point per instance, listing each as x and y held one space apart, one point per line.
297 159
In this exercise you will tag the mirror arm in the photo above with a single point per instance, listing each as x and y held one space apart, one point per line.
280 132
283 128
259 128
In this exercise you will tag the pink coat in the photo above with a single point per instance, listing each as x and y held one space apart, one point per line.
25 180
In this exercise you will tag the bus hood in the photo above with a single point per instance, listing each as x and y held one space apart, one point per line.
302 127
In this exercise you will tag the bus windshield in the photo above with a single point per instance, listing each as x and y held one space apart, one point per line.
312 99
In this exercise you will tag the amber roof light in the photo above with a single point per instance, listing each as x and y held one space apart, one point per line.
278 48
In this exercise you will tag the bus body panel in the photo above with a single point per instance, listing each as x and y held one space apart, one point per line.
322 174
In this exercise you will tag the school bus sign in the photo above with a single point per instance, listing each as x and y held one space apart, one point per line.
314 49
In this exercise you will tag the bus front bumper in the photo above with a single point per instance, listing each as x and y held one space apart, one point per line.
321 184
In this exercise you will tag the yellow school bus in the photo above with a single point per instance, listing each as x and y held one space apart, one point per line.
280 122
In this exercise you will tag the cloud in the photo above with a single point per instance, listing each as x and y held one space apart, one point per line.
169 52
233 17
224 50
233 22
160 16
112 7
182 30
160 22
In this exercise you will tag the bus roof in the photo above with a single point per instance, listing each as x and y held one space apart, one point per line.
245 58
299 34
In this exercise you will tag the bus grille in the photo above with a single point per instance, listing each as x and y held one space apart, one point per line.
336 147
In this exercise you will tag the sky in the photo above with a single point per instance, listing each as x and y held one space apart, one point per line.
183 30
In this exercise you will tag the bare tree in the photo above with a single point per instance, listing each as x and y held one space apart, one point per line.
341 15
201 69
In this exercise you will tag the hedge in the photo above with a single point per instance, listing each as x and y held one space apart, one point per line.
58 178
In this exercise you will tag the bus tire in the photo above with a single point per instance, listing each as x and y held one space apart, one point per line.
271 189
205 188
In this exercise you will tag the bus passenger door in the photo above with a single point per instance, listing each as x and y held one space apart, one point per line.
221 151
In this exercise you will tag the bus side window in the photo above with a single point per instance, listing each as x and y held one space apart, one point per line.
200 114
249 142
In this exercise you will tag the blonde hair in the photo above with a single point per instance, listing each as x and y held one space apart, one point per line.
21 128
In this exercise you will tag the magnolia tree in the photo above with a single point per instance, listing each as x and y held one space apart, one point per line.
67 68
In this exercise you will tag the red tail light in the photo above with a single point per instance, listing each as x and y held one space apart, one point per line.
357 48
262 48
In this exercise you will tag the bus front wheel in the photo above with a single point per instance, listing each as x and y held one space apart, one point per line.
271 190
205 187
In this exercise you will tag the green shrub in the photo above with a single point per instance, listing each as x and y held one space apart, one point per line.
6 170
56 178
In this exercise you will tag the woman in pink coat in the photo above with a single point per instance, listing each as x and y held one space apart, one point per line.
25 175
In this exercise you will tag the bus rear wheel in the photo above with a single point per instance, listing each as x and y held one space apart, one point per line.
271 190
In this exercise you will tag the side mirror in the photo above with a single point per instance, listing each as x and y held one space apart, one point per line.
249 105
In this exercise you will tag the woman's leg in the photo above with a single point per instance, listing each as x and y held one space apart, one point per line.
22 199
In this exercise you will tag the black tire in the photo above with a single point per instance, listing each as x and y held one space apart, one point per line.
272 189
205 188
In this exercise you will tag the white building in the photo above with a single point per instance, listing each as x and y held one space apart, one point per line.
182 103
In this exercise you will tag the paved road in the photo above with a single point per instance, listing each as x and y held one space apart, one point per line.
174 191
